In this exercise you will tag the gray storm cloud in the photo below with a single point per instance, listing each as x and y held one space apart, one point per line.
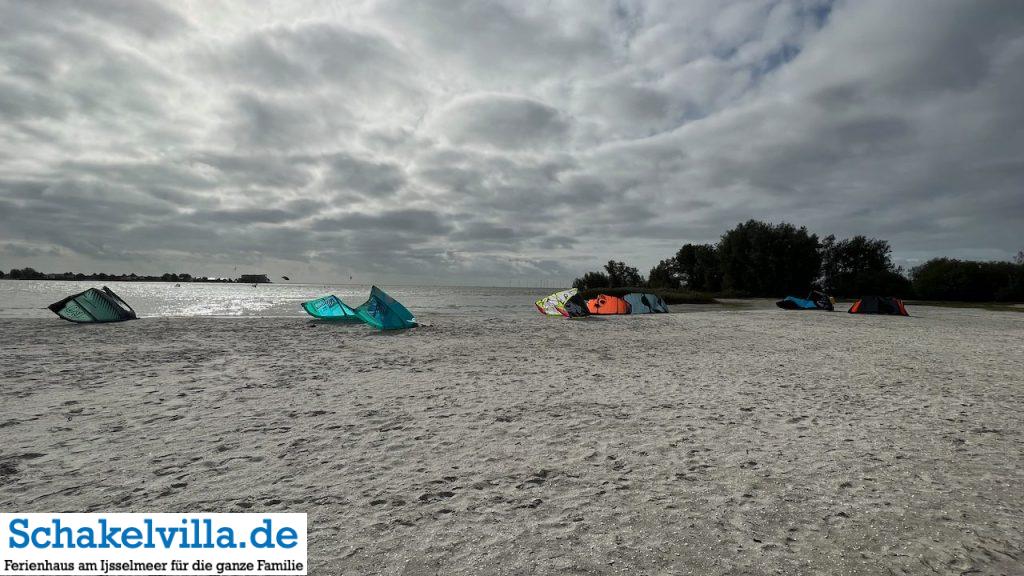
478 140
502 122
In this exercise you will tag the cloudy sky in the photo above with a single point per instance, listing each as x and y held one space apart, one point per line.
461 141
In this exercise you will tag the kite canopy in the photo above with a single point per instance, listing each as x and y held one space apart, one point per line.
384 312
815 301
879 305
645 303
550 305
565 303
330 308
94 305
794 303
824 301
605 304
575 307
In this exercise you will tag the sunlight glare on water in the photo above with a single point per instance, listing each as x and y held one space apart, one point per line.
29 298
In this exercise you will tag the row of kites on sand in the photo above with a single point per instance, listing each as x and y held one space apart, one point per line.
383 312
867 305
570 304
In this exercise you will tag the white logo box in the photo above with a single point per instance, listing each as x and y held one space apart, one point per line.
159 544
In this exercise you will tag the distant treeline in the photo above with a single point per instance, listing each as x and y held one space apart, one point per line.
772 260
32 274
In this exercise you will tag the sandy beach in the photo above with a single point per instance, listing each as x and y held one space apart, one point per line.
744 441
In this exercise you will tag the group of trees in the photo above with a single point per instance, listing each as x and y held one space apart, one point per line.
949 279
859 265
761 259
615 274
25 274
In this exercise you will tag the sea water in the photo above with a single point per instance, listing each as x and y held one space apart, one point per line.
29 298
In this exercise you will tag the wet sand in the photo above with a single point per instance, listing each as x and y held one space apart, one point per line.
744 441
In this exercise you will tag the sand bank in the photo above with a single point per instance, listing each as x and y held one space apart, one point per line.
750 441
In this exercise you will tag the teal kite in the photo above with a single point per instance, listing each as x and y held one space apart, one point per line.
330 308
93 305
380 311
384 312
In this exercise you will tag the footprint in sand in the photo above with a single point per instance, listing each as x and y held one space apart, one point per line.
429 497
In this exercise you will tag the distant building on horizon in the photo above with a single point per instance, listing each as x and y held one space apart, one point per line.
254 279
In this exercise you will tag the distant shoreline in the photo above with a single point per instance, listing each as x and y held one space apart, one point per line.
33 274
112 278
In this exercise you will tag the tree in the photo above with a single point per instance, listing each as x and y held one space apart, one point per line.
763 259
665 275
616 274
858 266
698 267
26 274
1019 259
621 275
951 279
591 280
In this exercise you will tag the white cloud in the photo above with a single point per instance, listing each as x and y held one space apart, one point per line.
472 138
500 121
